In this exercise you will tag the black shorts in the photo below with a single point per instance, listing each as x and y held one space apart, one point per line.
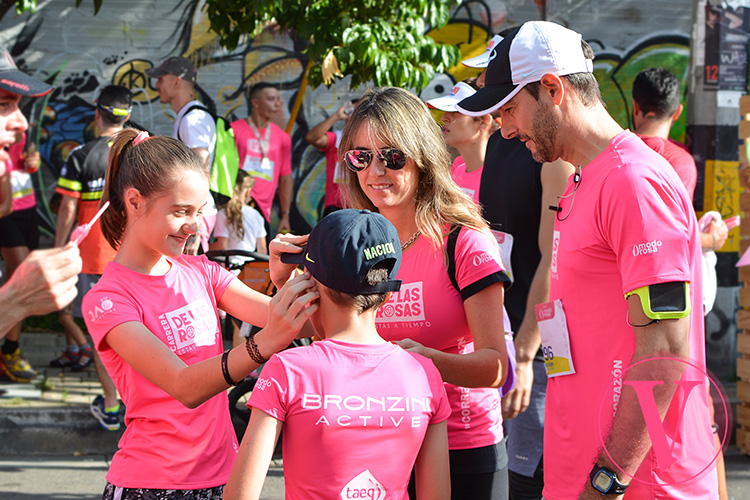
20 229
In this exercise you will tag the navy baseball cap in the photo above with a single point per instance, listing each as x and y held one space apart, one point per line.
17 82
345 245
177 66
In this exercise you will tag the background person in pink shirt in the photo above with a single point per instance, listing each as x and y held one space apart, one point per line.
364 408
656 106
399 166
327 141
45 281
153 318
624 229
19 235
265 152
468 134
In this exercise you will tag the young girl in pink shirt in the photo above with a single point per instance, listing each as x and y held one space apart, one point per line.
153 317
468 134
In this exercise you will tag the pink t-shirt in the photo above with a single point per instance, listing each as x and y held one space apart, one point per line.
20 180
631 225
429 310
279 153
679 157
165 445
467 181
354 415
332 197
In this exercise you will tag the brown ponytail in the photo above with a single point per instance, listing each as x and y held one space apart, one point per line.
151 167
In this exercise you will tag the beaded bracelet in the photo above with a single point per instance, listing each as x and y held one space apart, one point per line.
253 351
225 368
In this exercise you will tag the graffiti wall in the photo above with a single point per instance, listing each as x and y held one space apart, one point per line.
81 53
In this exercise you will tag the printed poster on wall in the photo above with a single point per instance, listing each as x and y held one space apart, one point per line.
726 47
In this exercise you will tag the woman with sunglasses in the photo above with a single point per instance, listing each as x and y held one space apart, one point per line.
399 166
468 134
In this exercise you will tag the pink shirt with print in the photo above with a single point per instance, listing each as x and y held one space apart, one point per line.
429 310
20 180
468 181
165 445
332 196
354 415
631 225
279 152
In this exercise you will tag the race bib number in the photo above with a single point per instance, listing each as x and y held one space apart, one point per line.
259 167
505 240
553 329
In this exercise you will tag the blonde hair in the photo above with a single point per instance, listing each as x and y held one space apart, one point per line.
152 166
399 119
233 208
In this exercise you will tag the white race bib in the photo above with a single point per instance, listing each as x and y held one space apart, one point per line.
505 240
553 329
259 167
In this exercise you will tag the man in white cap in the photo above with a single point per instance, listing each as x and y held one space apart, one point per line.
193 125
623 335
46 280
514 194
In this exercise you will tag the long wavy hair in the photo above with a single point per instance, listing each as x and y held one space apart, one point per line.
399 119
233 208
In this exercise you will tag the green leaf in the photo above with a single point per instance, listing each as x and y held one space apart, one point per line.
374 40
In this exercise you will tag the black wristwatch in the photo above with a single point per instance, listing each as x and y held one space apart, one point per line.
605 481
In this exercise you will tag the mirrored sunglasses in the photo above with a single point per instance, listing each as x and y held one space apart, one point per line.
360 159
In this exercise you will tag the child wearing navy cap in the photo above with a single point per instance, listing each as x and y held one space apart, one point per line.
364 409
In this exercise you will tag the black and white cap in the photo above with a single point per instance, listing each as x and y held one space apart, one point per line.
524 56
15 81
483 59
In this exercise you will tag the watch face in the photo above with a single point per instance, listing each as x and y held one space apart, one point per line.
602 481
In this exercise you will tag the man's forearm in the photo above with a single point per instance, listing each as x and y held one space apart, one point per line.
527 339
657 365
285 194
320 129
629 441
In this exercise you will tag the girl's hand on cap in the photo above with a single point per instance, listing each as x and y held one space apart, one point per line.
283 243
289 310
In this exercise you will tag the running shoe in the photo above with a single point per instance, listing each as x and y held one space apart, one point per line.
110 421
15 367
65 360
85 358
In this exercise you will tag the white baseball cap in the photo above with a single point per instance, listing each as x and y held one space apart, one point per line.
483 59
524 56
458 93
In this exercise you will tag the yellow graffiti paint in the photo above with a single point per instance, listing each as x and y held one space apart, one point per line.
458 33
722 193
200 35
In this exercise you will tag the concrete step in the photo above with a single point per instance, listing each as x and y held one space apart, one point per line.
70 431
